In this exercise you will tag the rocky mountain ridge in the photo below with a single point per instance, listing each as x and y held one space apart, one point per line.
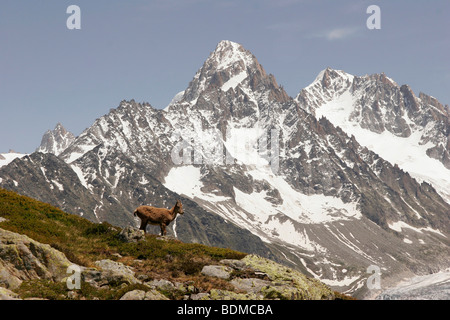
259 171
374 106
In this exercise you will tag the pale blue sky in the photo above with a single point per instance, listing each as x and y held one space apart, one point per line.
150 50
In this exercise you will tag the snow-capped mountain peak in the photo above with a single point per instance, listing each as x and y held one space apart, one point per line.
326 75
226 67
228 53
328 85
230 67
56 141
386 118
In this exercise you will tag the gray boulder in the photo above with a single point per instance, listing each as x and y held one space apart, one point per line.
108 273
162 284
111 272
130 234
142 295
218 271
22 258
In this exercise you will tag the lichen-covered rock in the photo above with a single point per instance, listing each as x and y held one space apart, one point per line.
258 278
253 285
108 273
162 284
217 294
6 294
142 295
287 283
222 272
22 258
234 263
112 272
200 296
131 235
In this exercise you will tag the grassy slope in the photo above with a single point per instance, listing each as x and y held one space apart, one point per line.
84 242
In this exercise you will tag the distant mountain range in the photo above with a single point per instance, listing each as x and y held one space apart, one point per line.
353 172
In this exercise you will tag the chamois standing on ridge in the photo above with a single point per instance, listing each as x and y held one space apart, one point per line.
158 216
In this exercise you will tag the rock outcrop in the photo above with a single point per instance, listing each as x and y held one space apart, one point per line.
22 258
130 234
258 278
253 277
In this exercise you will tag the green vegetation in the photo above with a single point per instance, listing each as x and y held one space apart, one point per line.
84 242
45 289
154 258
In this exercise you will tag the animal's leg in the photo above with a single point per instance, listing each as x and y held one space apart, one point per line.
163 229
143 225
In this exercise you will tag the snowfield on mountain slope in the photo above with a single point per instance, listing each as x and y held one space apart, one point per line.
407 153
234 81
265 216
296 205
186 180
242 146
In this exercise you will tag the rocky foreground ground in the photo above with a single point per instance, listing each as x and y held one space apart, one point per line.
24 260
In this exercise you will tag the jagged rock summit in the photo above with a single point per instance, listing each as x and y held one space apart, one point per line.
55 141
227 67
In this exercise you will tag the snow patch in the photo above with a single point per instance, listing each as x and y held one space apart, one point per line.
81 150
175 99
80 175
6 158
346 281
302 208
234 81
58 185
143 181
400 225
243 144
187 180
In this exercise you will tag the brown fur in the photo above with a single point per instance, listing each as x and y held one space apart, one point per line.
158 216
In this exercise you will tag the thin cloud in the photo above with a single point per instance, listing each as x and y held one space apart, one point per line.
336 34
341 33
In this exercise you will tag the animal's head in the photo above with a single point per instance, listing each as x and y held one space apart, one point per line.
179 207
